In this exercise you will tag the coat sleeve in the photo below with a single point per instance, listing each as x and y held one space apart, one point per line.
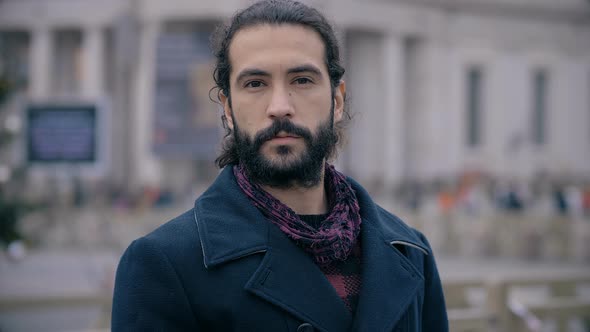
434 311
148 294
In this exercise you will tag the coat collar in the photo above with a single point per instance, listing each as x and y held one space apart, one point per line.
230 227
224 239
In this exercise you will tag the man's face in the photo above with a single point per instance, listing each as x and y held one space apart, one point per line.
282 108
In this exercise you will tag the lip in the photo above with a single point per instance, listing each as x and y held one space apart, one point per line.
284 138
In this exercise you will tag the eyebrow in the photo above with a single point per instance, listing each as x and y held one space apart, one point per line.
306 68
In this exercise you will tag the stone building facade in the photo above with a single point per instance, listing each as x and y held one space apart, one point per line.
436 87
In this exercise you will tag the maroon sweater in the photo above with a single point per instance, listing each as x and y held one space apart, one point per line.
345 276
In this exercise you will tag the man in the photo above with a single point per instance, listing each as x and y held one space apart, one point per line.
281 241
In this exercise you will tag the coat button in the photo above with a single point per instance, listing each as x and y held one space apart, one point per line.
305 327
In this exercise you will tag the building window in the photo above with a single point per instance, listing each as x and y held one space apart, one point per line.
539 120
474 102
14 58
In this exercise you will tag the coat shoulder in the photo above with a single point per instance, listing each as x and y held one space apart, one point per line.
395 225
177 237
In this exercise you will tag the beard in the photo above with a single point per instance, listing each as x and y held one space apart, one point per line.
286 169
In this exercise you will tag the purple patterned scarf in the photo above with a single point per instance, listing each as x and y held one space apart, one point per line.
335 237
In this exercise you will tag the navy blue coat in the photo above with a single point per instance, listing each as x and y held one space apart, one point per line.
223 267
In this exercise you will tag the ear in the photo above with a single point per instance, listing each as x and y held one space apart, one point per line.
339 97
226 110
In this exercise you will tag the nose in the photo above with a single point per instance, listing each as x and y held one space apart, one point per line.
280 104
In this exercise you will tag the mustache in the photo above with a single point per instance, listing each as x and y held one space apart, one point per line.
281 125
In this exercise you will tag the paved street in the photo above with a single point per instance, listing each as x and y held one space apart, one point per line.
75 273
55 274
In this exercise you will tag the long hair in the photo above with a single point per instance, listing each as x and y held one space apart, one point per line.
273 12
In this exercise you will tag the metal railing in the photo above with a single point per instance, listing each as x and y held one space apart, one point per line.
503 311
499 310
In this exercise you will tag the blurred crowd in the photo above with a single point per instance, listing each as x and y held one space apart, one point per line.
472 193
477 193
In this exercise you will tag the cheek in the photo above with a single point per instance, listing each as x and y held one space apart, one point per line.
248 110
314 110
249 128
242 119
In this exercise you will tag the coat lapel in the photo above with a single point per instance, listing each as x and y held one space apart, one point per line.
389 283
288 278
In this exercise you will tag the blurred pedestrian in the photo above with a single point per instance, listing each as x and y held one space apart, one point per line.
560 201
281 241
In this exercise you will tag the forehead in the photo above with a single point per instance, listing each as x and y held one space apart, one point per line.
267 46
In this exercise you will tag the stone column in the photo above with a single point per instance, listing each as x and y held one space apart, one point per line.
146 168
393 106
93 62
429 95
41 62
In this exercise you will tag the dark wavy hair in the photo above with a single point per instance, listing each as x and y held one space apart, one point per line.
273 12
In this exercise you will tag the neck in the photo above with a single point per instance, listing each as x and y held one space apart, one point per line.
302 200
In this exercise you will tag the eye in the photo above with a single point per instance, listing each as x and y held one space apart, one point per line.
302 80
253 84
